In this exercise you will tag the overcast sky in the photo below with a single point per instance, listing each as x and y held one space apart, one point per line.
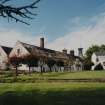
64 24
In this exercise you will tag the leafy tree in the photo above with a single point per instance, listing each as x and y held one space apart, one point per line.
91 50
15 61
102 47
31 61
41 64
87 64
87 58
51 63
77 63
60 63
7 66
17 13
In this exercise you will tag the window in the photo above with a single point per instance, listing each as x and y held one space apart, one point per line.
18 51
97 60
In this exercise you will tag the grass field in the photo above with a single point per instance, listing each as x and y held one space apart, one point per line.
36 77
52 93
69 75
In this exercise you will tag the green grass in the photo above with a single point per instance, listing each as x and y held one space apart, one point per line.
37 77
38 92
52 94
69 75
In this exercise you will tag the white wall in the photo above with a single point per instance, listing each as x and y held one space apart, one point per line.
23 51
3 59
100 58
93 58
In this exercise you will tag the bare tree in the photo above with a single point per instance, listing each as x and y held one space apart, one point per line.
17 13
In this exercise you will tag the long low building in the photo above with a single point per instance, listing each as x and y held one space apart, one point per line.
70 61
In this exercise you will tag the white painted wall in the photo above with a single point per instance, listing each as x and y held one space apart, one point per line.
100 58
93 58
3 59
23 51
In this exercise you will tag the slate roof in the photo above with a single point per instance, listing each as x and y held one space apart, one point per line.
74 57
30 47
100 53
44 51
7 49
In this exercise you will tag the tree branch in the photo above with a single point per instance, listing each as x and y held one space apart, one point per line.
16 13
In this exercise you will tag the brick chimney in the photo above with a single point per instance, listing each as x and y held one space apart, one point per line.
64 51
42 42
80 52
72 52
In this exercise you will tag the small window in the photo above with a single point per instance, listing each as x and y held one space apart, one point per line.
18 51
97 60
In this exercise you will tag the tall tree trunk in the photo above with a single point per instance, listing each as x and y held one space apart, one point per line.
16 71
60 68
41 69
29 70
50 69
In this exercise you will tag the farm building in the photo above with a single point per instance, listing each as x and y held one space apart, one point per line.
63 60
98 58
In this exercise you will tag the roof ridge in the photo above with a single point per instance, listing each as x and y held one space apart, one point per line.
38 47
100 53
6 46
6 49
28 44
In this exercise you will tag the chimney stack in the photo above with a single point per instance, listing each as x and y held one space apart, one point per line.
42 42
80 52
64 51
72 52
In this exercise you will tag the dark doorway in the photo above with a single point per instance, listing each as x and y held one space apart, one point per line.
99 67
